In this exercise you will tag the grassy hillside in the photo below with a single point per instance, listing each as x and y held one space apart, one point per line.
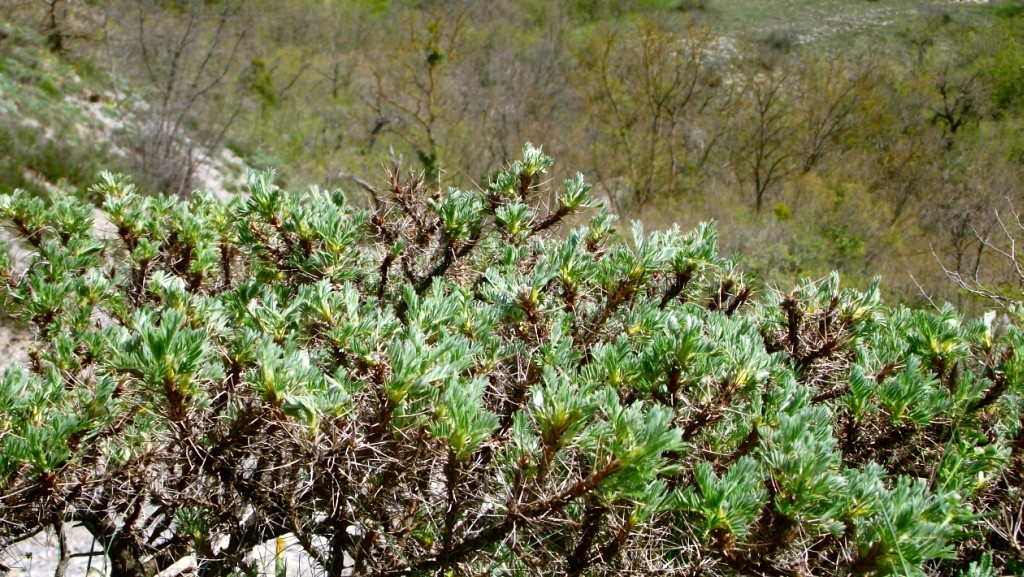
51 124
871 137
63 120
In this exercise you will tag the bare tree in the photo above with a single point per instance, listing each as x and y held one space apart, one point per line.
184 58
412 91
517 85
970 231
762 155
958 107
651 83
903 171
828 100
56 16
1006 285
59 21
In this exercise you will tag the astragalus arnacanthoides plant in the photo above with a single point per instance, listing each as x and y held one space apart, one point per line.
454 382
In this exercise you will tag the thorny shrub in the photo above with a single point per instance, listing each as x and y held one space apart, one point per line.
457 382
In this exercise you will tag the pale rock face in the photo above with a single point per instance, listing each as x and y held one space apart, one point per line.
38 555
13 346
14 342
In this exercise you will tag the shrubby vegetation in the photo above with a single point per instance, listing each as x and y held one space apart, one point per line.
464 381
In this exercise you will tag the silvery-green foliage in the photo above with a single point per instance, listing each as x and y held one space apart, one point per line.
459 382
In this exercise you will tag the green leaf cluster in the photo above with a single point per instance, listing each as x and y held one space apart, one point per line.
456 381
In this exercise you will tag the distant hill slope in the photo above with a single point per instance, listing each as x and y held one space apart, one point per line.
60 127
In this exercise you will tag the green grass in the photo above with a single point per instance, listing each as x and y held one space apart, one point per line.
39 128
1007 9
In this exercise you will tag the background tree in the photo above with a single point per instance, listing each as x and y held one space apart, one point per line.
761 155
828 101
59 21
416 90
648 84
515 84
860 153
182 58
959 105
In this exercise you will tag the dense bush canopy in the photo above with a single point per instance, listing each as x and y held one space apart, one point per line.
457 382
